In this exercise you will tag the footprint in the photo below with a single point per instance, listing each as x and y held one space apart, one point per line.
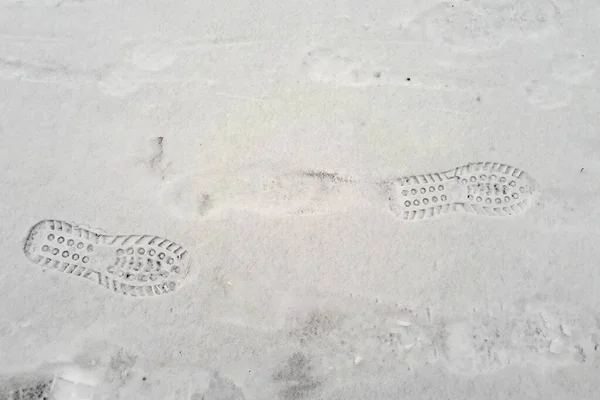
263 192
476 346
153 61
464 26
538 333
66 382
315 326
72 386
392 338
547 94
138 65
296 377
34 388
220 388
489 189
372 336
552 335
135 265
527 19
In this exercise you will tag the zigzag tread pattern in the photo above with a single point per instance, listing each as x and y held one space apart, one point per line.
489 167
430 212
422 179
41 389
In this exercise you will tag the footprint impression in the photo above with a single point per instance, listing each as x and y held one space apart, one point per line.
142 62
484 25
263 192
64 383
134 265
484 188
116 374
464 26
543 334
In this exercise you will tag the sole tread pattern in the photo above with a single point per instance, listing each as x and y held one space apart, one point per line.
41 390
483 188
133 265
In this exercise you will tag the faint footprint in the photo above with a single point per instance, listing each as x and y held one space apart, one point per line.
122 375
465 26
295 375
476 346
381 336
220 388
486 188
140 63
527 19
27 388
552 335
540 333
188 202
393 338
64 382
547 94
314 326
135 265
155 61
261 191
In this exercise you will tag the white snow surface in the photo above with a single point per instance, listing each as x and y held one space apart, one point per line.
253 200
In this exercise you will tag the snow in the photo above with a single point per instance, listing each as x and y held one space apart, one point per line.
318 200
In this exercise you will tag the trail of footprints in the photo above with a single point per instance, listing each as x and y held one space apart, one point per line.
545 334
147 265
135 265
483 188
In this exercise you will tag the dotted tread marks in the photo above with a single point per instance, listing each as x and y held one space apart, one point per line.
38 391
489 189
135 265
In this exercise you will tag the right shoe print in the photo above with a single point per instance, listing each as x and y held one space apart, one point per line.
483 188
